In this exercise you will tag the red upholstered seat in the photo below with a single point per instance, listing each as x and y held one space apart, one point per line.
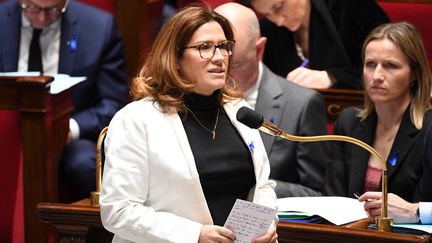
107 5
11 187
418 14
212 3
330 126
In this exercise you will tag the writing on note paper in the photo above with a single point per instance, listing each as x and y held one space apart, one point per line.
248 220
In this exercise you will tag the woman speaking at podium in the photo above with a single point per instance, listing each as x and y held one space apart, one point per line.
176 158
394 118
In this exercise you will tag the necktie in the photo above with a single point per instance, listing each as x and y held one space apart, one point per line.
35 54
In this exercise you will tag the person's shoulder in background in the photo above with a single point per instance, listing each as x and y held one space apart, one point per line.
365 12
84 10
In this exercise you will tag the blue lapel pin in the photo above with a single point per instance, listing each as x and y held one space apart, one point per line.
251 146
393 158
73 44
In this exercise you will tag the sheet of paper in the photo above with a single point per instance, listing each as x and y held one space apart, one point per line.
249 220
16 74
423 227
61 81
337 210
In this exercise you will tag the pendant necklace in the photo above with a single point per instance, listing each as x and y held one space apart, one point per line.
213 132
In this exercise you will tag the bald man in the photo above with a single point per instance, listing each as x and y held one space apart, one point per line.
298 168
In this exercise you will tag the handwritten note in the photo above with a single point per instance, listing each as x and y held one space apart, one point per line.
248 220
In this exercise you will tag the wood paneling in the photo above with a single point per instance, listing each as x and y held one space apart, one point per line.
139 22
338 99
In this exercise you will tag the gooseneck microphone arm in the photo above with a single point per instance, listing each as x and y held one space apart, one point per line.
255 120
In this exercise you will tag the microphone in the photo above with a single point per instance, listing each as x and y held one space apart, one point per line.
255 120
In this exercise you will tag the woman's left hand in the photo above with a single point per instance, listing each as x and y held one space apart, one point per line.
269 237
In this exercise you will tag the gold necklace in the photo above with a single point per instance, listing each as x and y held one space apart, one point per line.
213 132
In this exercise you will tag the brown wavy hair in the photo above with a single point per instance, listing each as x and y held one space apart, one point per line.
160 78
408 39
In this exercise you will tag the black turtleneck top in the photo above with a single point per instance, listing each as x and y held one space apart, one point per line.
224 164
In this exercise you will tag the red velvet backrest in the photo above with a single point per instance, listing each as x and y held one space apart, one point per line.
11 204
330 126
211 3
107 5
418 14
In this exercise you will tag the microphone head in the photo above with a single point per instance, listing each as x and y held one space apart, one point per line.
250 117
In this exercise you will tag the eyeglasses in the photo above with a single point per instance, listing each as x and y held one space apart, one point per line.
208 49
51 11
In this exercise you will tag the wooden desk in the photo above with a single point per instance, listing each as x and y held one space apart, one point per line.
79 221
302 232
44 124
338 99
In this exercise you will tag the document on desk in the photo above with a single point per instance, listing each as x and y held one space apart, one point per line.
17 74
427 228
248 220
61 81
337 210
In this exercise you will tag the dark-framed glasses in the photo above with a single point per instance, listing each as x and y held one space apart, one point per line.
51 11
208 49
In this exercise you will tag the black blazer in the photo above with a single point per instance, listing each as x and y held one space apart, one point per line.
348 163
337 31
426 181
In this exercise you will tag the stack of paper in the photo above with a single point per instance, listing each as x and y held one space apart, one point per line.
299 217
337 210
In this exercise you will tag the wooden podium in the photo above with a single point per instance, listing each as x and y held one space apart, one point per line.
308 232
80 222
76 222
44 123
338 99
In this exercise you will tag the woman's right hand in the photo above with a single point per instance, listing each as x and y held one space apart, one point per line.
214 233
400 210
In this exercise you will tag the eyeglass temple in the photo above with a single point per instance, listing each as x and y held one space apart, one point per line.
65 6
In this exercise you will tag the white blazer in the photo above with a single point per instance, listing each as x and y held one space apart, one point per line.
151 190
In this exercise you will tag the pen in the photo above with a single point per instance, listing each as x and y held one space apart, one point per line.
357 195
305 62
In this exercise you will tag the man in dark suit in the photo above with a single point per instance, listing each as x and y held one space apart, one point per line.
298 168
78 40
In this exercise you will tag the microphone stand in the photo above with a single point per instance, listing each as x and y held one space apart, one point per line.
94 196
383 223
